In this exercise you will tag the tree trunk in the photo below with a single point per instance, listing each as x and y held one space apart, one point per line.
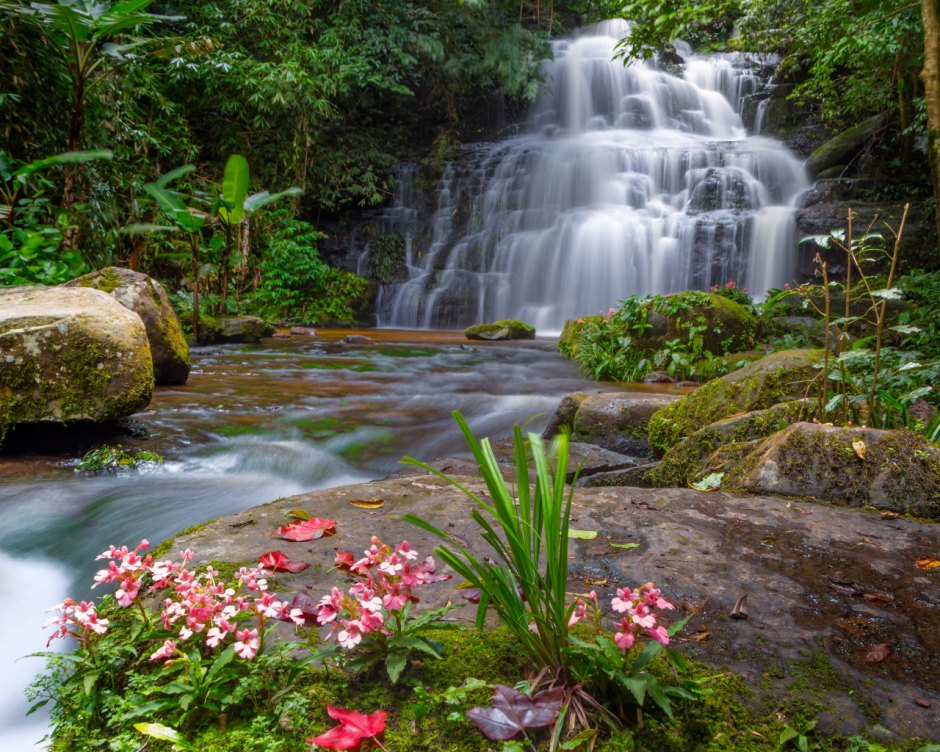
73 172
931 78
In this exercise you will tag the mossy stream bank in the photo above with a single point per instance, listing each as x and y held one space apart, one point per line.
801 656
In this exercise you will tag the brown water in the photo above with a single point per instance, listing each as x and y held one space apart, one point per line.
252 425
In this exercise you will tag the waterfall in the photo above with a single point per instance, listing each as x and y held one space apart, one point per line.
628 180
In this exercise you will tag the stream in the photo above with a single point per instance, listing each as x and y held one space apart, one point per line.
253 424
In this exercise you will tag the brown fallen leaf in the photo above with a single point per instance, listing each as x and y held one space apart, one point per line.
859 446
878 653
923 702
299 514
701 635
740 608
589 581
845 588
886 515
853 627
879 597
368 503
927 563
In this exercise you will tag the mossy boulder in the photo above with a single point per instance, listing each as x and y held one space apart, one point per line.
145 297
896 470
613 420
695 455
843 147
569 342
241 328
502 329
70 354
780 377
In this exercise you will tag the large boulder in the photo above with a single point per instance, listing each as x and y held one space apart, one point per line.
614 420
780 377
698 454
147 299
896 470
68 355
843 147
503 329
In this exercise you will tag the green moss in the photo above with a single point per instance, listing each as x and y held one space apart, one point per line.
690 458
502 329
167 546
106 280
780 377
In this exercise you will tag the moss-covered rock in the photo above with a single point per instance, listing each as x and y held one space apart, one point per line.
241 328
145 297
502 329
897 470
729 326
842 147
569 342
695 455
782 376
69 355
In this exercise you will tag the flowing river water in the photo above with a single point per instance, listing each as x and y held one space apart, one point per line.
253 424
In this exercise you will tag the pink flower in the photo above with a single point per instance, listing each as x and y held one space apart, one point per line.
660 635
165 651
248 643
623 601
215 636
351 636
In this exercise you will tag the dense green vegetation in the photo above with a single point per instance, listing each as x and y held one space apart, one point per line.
325 97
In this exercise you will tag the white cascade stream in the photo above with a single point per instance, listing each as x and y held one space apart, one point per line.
629 180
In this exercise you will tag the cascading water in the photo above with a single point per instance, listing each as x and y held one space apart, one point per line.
630 180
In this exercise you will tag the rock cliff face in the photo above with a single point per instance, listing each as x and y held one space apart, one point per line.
145 297
70 355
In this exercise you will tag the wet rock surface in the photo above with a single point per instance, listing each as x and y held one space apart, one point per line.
145 297
826 586
70 355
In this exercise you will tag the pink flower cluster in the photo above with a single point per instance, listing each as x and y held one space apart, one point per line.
78 620
638 607
198 602
378 600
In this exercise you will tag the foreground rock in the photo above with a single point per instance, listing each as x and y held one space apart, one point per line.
896 470
783 376
613 420
69 355
825 585
503 329
710 448
147 299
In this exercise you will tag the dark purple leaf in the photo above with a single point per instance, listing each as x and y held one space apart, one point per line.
307 605
514 711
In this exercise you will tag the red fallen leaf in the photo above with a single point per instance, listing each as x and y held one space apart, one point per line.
306 530
353 728
879 597
923 702
513 712
472 595
878 653
276 561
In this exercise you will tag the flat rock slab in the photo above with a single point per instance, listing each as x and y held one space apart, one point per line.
825 585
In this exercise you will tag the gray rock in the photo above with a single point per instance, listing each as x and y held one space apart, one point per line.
240 329
70 354
147 298
895 470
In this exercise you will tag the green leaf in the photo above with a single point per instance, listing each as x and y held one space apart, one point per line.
234 189
395 664
582 534
711 482
627 546
69 157
165 734
88 682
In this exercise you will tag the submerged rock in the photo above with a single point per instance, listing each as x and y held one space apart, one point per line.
896 470
70 354
503 329
147 298
782 376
